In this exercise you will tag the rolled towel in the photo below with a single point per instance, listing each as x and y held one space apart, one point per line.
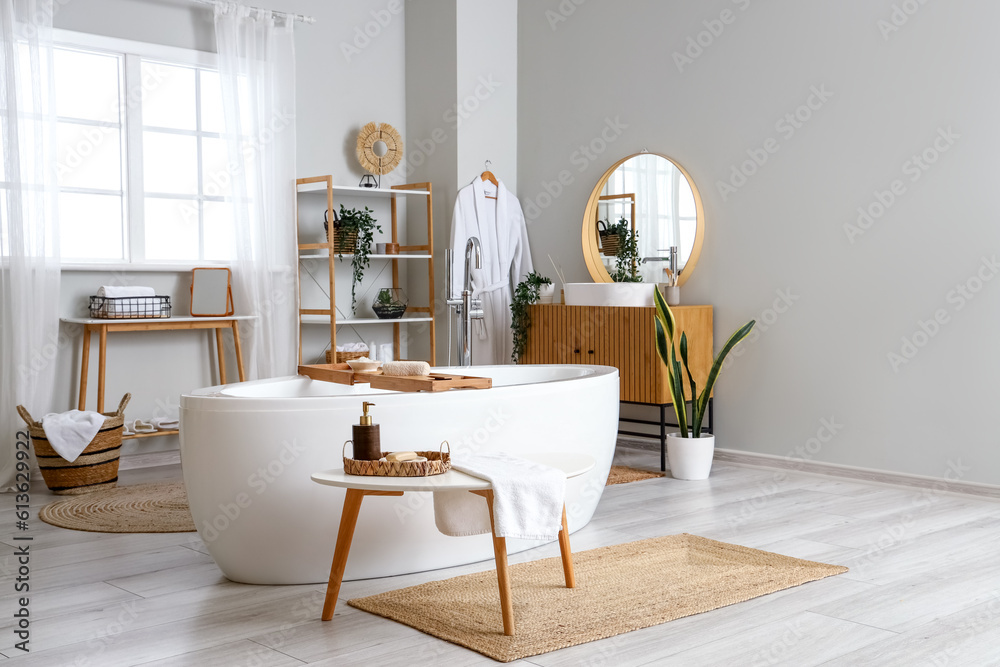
406 368
165 423
118 291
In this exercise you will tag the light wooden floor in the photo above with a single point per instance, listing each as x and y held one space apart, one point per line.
924 586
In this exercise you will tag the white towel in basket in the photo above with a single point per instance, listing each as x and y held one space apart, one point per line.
137 306
69 433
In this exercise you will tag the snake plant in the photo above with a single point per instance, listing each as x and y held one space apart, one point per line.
666 327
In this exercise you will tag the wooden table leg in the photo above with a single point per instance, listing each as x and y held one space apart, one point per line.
101 358
84 367
348 520
222 356
567 555
503 575
239 350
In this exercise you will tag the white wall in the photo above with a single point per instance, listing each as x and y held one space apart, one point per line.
783 231
350 70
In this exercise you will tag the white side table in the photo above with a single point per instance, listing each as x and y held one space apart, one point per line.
360 486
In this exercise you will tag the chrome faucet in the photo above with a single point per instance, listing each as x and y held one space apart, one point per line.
466 307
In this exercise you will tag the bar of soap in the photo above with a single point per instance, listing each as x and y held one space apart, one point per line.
401 456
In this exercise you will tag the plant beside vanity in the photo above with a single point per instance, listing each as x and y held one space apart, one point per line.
528 292
690 451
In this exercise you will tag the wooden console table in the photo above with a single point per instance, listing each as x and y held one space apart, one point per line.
103 327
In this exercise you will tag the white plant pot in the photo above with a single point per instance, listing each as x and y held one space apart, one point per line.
690 458
545 293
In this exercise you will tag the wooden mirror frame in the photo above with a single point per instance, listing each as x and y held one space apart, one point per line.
591 247
229 291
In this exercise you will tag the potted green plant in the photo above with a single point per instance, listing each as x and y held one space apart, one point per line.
389 303
526 293
627 258
690 452
361 223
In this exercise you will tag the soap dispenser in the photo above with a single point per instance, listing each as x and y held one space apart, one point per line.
367 445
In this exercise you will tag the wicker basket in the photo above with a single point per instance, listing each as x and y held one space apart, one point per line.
97 466
437 463
343 357
609 241
344 242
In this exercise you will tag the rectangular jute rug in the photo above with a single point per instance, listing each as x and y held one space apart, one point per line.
618 589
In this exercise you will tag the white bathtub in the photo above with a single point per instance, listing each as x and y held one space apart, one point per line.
248 450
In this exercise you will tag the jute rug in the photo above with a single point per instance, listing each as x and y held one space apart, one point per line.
143 508
618 589
626 474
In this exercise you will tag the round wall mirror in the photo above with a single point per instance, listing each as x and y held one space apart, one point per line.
656 197
380 148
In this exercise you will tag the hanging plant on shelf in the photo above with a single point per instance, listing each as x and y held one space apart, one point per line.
525 295
364 225
627 258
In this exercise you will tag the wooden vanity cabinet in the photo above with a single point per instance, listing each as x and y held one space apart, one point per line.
621 337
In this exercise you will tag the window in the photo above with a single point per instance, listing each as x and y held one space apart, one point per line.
142 158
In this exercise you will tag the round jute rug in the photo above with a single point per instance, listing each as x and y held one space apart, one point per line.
143 508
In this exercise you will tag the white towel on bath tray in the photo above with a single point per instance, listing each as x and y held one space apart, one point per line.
69 433
528 499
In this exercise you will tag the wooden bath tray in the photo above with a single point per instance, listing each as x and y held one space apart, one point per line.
432 382
342 374
339 373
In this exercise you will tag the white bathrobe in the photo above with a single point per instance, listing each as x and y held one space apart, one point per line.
499 224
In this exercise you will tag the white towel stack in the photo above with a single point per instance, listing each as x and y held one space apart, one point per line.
528 499
134 307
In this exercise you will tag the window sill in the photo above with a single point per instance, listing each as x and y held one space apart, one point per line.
176 267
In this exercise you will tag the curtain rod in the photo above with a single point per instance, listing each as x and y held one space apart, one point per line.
294 17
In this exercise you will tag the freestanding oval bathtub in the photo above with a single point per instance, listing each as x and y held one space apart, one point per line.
248 449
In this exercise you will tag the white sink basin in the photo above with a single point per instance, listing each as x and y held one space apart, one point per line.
609 294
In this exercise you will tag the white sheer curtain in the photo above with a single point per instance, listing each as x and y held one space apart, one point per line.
257 70
29 238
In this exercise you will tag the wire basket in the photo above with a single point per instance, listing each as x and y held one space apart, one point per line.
129 307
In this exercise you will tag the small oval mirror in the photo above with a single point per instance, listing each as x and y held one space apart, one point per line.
380 148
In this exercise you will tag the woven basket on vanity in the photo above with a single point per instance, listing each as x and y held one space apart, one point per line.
436 464
97 466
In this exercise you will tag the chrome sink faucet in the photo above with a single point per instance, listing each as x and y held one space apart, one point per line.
465 306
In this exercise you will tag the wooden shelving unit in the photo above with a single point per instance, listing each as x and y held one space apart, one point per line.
324 251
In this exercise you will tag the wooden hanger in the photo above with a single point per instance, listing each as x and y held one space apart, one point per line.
488 176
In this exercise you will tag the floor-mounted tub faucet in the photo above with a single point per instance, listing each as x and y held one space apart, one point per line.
466 307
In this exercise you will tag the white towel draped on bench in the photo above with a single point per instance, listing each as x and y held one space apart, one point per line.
528 499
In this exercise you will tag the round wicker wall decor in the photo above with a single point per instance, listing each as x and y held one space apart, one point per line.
380 148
